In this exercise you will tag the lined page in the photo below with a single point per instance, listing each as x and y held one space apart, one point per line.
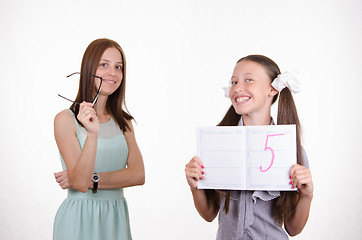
221 151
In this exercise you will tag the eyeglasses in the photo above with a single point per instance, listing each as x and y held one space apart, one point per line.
98 91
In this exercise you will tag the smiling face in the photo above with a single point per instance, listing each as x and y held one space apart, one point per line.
111 70
251 92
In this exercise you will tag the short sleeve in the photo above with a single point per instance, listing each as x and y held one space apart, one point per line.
305 158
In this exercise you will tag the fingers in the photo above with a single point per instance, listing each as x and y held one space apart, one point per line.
299 174
62 178
195 168
198 161
194 171
86 112
88 117
301 178
86 104
58 174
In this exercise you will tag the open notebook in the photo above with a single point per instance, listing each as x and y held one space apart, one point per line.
247 157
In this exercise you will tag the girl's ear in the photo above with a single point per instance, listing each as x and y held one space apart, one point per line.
272 92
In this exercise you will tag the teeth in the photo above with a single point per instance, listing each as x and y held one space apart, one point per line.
109 81
242 99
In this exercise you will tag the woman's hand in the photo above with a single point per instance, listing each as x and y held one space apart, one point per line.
63 179
301 178
88 117
194 171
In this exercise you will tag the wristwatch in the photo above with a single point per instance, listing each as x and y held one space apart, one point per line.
95 180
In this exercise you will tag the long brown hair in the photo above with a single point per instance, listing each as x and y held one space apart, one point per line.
86 92
287 114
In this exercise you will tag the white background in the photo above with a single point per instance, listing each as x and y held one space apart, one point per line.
179 55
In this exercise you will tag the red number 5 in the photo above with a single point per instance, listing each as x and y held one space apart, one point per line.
271 150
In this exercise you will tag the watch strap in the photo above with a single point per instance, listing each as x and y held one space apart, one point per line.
95 187
95 180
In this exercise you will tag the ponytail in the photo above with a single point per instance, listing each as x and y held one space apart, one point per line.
287 114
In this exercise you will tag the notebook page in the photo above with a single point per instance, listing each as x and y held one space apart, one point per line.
222 153
271 151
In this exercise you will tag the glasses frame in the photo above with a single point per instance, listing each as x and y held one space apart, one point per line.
98 91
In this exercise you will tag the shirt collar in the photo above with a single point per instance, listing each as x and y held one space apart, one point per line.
241 123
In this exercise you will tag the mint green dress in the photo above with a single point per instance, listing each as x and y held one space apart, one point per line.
101 215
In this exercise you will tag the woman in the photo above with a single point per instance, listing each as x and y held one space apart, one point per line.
96 141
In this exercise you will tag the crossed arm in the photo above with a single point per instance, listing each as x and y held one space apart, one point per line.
81 163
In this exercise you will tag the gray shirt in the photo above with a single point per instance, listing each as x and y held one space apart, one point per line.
249 217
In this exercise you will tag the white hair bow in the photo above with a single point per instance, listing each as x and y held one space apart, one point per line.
227 90
289 80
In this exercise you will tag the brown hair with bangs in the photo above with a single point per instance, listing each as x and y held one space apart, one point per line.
287 114
86 91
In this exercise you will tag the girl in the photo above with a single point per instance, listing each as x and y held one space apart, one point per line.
96 141
257 214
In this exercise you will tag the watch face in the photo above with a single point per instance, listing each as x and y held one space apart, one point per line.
95 178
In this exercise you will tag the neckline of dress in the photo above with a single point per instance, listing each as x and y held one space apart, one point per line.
102 124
